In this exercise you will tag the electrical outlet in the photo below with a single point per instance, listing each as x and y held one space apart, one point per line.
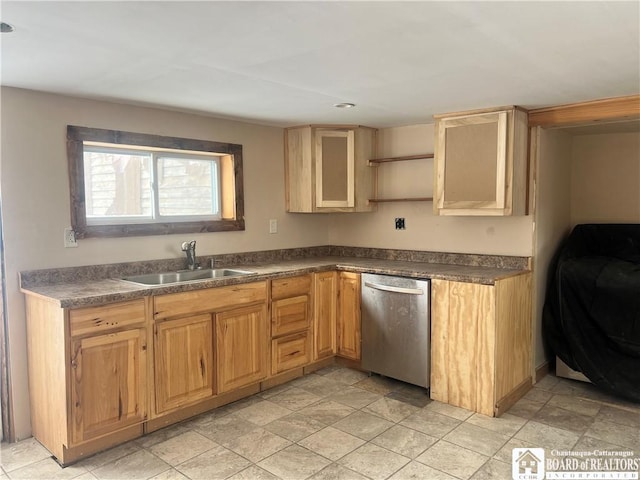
400 224
273 226
70 240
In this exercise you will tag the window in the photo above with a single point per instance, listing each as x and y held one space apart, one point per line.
126 184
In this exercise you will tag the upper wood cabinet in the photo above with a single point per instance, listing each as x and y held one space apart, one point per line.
326 168
481 162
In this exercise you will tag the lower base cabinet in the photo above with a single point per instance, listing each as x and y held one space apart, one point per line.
87 375
481 343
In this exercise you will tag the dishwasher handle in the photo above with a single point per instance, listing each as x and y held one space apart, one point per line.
389 288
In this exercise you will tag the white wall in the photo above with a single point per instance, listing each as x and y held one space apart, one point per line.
580 178
424 230
605 178
35 196
552 216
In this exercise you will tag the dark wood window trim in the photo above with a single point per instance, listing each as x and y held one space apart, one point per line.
233 211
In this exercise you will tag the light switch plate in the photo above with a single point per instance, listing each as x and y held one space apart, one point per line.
273 226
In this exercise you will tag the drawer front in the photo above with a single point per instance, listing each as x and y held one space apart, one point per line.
208 299
290 315
290 352
104 318
291 287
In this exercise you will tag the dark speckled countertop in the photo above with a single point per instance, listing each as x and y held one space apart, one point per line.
71 291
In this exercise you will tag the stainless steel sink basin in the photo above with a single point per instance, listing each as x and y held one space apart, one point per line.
186 276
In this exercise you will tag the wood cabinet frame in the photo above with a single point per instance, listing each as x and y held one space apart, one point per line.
303 168
506 194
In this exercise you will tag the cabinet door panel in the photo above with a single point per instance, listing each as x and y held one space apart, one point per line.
335 168
462 348
183 361
108 384
471 159
325 306
348 319
241 347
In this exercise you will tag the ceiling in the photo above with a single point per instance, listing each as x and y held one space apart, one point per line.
287 63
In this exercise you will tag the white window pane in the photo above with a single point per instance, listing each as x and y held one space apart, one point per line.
188 187
117 185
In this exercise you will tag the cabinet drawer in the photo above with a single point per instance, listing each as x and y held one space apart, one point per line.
290 315
103 318
290 352
208 300
290 287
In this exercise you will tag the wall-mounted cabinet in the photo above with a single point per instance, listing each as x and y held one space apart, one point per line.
481 162
326 168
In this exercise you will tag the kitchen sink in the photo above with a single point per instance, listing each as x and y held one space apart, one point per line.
186 276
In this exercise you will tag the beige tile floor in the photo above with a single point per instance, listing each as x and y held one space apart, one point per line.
342 424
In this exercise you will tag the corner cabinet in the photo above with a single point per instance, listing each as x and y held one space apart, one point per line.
327 168
481 162
481 343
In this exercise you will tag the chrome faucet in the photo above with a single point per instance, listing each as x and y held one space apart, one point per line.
190 249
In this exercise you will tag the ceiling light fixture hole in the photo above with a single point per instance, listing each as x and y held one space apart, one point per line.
344 105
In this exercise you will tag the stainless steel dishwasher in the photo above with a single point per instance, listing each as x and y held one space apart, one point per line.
396 327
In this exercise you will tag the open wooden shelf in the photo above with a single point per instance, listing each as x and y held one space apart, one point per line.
411 199
374 162
401 159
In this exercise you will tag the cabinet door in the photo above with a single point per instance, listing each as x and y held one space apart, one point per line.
463 345
334 168
325 300
471 162
241 347
348 319
108 383
183 353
